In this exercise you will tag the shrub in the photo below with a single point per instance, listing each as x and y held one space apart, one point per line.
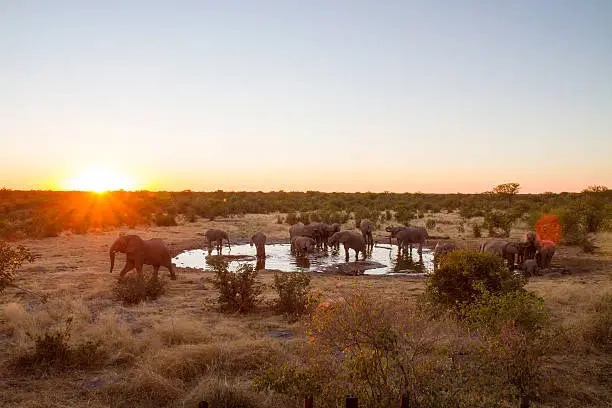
279 219
238 291
430 224
11 259
291 218
599 329
476 230
458 278
52 349
388 215
404 215
132 290
165 220
191 215
495 220
292 289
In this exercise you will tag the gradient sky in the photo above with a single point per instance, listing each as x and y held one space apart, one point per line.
335 95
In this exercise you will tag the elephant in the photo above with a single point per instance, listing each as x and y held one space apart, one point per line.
505 249
411 235
350 240
366 228
259 239
300 230
442 249
301 245
531 245
545 253
216 235
530 267
394 231
331 230
139 252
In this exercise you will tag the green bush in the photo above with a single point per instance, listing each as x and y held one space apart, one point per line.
499 220
293 290
476 230
132 290
599 329
292 218
279 219
458 278
165 220
238 291
53 350
430 224
11 259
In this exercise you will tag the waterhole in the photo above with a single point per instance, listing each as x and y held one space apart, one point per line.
382 260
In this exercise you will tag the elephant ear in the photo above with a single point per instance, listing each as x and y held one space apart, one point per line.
134 244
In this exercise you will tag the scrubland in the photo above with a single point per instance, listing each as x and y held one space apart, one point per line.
180 348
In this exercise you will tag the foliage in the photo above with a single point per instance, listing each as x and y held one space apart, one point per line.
165 220
496 220
507 190
293 292
430 224
404 215
599 330
462 274
291 218
11 259
239 291
476 230
53 350
132 290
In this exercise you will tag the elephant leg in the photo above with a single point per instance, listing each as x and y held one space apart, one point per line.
420 250
129 265
155 275
356 255
346 254
171 269
139 264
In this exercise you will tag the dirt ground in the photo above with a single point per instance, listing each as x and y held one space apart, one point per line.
144 341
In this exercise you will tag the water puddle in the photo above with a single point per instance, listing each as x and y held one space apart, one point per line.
383 260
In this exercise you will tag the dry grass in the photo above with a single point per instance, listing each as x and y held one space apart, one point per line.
179 349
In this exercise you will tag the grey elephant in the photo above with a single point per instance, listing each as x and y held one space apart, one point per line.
301 245
545 254
411 235
331 230
394 231
505 249
530 267
531 244
442 249
350 240
216 235
301 230
259 239
366 228
140 252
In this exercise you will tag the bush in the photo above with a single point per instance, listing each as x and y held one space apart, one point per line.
11 259
292 289
496 220
238 291
279 219
165 220
404 215
599 329
476 230
462 275
430 224
52 349
291 218
132 290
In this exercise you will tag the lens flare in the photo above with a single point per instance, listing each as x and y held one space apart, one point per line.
548 228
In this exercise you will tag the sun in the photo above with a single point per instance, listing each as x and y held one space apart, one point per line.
100 180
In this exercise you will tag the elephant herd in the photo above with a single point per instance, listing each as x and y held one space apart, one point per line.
529 254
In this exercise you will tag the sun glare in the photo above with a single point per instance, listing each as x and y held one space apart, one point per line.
99 181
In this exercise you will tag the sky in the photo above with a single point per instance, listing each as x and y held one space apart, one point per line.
328 95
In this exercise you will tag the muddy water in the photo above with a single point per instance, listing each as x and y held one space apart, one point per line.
278 256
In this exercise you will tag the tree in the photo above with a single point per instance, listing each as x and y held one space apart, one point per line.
507 190
595 189
11 260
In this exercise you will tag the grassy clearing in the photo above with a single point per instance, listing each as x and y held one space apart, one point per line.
179 349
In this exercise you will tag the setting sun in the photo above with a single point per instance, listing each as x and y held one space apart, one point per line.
100 180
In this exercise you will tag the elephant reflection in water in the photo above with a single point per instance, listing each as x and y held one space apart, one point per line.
302 262
405 262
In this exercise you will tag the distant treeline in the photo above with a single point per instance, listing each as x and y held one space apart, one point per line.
47 213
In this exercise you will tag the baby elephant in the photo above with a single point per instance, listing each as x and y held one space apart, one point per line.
139 253
530 267
217 236
350 240
259 239
302 245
